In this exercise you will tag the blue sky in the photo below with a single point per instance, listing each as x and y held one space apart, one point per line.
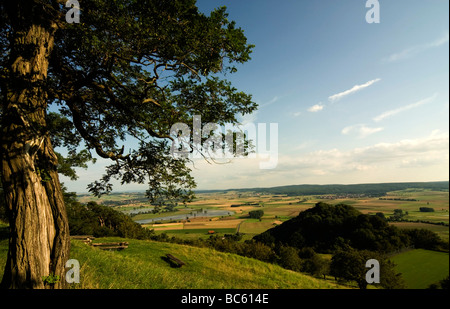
354 102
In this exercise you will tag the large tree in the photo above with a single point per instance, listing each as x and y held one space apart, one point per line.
130 69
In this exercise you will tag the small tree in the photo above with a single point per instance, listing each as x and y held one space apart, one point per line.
444 283
289 259
316 266
350 266
426 209
380 215
256 214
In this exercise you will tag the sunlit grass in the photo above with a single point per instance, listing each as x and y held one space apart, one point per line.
141 267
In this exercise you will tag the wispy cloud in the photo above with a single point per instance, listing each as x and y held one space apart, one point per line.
274 99
396 111
361 130
338 96
412 51
316 108
251 118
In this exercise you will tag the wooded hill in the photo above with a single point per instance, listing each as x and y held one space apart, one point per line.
327 228
373 189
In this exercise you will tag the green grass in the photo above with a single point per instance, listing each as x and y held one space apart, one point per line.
141 267
254 226
441 230
420 268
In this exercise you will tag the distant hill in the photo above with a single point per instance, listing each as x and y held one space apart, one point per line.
370 189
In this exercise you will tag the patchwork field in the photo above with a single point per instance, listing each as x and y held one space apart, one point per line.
277 208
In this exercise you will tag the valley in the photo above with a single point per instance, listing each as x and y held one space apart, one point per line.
224 212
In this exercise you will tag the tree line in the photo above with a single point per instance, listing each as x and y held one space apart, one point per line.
379 189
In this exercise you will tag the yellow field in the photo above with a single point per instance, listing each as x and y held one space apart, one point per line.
249 227
207 224
197 223
165 226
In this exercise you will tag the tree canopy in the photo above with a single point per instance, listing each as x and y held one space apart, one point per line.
130 70
121 76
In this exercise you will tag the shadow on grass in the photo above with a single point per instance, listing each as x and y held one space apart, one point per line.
4 232
170 262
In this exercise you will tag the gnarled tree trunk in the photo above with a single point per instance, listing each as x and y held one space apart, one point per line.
39 241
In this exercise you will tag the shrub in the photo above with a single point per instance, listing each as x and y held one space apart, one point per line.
288 258
102 221
256 214
426 209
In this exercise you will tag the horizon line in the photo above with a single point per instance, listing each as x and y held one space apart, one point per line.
306 184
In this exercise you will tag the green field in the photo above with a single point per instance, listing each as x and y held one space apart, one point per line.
196 233
420 268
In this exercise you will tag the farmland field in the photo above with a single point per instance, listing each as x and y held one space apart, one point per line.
441 230
278 208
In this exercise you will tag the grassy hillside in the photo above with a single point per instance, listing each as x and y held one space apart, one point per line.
141 267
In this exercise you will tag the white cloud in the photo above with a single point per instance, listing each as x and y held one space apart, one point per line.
361 130
412 51
396 111
316 108
421 159
431 151
354 89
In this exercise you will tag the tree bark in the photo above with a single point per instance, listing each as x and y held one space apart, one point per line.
39 235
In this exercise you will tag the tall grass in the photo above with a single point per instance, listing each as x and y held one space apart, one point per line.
141 267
